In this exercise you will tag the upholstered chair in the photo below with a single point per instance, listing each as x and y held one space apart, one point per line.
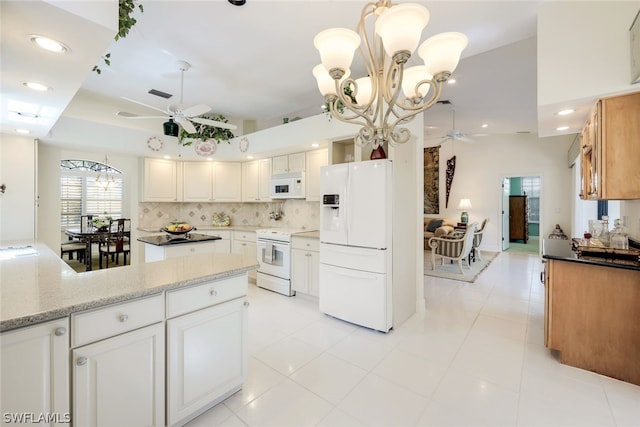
477 239
454 248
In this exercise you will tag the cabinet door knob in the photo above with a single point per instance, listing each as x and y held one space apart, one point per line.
81 361
60 331
123 318
213 292
246 304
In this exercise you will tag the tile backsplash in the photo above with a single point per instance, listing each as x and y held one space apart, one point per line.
298 214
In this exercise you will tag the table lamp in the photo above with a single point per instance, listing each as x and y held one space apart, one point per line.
464 205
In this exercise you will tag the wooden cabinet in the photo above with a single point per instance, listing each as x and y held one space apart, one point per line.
610 149
315 160
118 364
518 218
289 163
211 182
206 348
255 180
244 243
592 317
162 180
34 371
305 265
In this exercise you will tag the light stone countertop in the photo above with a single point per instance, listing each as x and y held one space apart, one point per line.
212 227
308 234
35 289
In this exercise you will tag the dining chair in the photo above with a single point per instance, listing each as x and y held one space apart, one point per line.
86 223
117 241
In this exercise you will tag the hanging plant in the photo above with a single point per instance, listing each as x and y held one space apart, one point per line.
205 132
125 23
339 106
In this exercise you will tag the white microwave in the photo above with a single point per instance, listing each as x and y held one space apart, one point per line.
287 186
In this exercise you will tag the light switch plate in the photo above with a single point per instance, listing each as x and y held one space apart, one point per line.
634 38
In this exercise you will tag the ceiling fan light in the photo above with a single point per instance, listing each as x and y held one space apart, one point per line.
171 128
441 53
336 47
411 77
400 27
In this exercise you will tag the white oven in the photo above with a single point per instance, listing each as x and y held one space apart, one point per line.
274 259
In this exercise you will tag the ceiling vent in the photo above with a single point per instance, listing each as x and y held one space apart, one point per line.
160 94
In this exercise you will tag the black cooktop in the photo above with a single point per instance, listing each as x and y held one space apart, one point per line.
168 239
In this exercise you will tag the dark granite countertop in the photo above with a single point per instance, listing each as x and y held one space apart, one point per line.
561 250
168 239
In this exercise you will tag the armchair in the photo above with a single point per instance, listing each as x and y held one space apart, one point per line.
454 248
477 239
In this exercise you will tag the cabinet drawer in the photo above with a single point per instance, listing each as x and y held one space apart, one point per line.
305 244
94 325
245 236
189 249
185 300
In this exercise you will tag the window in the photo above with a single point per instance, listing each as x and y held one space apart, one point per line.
89 188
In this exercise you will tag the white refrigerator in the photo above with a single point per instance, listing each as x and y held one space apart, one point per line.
355 243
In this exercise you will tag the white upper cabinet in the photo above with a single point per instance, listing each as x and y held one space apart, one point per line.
315 160
211 182
255 180
289 163
161 181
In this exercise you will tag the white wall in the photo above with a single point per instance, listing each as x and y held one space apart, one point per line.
631 210
18 204
481 166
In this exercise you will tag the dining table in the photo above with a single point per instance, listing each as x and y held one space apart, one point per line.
88 237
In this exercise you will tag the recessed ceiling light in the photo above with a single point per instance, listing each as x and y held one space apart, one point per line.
484 125
249 157
566 112
23 131
315 145
166 157
562 128
49 44
451 81
209 158
37 86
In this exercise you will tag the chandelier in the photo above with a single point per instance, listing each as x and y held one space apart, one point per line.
105 179
391 95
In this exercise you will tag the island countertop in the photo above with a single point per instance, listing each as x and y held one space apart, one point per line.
42 287
561 250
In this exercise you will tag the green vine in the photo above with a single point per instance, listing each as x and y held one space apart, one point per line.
339 106
125 22
205 132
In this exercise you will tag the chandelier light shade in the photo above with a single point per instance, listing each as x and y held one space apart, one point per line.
389 95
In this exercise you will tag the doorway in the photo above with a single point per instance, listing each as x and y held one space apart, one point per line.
521 207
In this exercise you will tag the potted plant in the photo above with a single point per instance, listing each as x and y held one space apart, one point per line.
206 132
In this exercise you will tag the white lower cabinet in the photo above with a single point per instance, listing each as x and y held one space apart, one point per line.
244 243
120 381
118 365
34 373
206 348
224 244
305 264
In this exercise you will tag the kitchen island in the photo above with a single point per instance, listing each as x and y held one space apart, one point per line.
591 311
169 336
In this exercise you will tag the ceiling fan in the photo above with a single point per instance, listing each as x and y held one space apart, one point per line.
185 117
455 134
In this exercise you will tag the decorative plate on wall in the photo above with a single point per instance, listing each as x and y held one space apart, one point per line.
206 148
155 144
244 144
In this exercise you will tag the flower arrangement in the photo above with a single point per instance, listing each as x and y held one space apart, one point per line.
205 132
102 223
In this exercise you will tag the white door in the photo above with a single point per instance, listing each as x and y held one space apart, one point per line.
120 381
35 371
370 202
333 218
356 296
506 189
206 358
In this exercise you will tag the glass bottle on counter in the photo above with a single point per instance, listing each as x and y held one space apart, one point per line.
604 236
619 239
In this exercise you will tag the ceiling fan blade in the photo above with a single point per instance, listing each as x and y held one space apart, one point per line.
465 139
144 105
186 124
196 110
214 123
127 115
